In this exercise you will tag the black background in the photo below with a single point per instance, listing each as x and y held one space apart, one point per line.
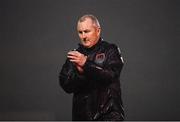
35 36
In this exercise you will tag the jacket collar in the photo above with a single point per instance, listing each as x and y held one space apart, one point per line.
91 48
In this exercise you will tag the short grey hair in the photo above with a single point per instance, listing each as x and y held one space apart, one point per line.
90 16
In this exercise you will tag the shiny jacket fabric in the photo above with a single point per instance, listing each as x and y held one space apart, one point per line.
96 92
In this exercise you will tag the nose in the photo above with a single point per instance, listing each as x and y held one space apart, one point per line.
83 35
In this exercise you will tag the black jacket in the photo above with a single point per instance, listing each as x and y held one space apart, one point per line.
97 93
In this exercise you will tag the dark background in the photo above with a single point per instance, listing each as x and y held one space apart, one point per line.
35 36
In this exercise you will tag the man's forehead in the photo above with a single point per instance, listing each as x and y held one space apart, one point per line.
85 24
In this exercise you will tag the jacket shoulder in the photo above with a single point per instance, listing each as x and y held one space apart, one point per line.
108 46
112 48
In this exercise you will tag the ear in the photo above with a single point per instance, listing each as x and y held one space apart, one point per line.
99 31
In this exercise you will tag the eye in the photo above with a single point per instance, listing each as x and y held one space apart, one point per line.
80 32
86 31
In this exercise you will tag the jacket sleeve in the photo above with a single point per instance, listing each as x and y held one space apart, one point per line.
111 69
69 78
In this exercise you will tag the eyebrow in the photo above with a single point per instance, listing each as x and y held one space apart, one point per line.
86 30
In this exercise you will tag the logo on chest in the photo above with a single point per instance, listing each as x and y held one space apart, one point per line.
100 58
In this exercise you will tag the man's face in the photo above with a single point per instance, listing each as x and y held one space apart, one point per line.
88 33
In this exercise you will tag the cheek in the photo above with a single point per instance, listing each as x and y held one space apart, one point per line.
92 36
80 36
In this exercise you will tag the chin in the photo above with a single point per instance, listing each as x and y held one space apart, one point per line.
87 45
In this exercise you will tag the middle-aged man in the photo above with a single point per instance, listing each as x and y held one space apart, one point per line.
92 73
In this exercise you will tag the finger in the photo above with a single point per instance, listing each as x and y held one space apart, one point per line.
70 53
73 60
71 57
78 53
73 53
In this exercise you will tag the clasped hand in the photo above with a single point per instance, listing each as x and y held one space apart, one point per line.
78 59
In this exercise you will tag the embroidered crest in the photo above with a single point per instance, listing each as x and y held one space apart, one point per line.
100 58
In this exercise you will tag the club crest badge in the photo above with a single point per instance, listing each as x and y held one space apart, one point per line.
100 58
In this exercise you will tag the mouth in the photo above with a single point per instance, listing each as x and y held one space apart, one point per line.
85 40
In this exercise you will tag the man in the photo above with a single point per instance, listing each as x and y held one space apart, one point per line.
92 73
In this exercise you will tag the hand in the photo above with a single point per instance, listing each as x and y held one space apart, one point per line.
78 58
80 69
